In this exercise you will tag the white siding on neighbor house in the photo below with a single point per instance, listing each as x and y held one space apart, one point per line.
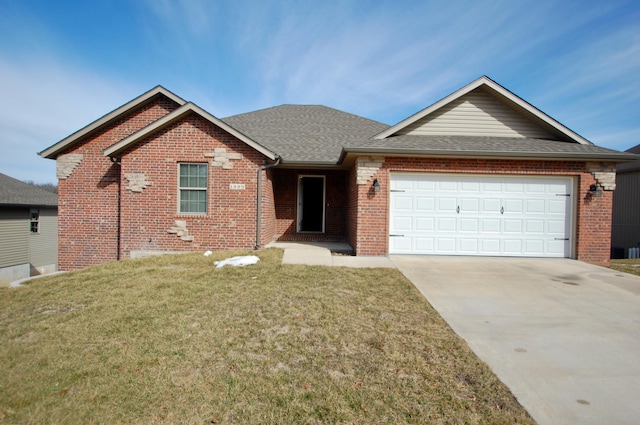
14 234
43 246
476 114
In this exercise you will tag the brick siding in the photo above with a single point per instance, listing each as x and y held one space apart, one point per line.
88 197
230 221
368 211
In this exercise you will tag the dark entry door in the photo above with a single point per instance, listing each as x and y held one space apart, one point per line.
311 195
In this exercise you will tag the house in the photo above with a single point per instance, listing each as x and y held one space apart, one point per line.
29 229
625 232
480 172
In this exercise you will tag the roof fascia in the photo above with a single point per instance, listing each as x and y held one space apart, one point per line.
618 157
68 141
496 88
116 149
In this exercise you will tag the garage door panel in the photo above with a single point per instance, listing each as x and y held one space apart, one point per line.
404 224
447 204
446 245
425 204
469 225
469 205
468 246
512 226
445 225
425 245
557 206
535 206
534 226
490 225
480 215
402 203
513 206
491 206
490 246
425 224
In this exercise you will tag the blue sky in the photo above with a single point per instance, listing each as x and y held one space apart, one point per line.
64 64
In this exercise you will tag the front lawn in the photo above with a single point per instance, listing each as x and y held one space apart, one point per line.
628 266
171 339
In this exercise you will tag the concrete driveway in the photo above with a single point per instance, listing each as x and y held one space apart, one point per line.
563 335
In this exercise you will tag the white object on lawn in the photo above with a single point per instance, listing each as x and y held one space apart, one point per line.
207 253
243 260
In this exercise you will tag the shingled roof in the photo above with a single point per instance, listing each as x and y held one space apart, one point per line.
17 193
630 166
305 134
477 146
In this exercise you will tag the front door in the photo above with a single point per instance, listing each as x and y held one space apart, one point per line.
311 195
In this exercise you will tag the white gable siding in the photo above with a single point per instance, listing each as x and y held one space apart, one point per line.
476 114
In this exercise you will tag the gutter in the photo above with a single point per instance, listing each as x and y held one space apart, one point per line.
259 198
560 156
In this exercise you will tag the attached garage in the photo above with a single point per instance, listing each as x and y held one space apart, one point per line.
483 215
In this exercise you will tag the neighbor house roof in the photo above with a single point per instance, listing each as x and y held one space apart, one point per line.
305 134
630 166
52 151
17 193
172 117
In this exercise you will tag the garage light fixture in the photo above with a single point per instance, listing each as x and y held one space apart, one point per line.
595 190
376 186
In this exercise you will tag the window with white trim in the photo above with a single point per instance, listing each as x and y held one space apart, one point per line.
192 188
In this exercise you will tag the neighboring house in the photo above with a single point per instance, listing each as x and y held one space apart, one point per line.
480 172
29 229
626 208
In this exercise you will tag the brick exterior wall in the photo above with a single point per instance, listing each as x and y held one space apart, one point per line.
286 205
368 211
88 196
148 216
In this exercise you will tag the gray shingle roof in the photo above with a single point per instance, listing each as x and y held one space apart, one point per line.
484 146
630 166
305 133
15 192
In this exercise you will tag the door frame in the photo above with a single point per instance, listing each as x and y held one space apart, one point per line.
300 202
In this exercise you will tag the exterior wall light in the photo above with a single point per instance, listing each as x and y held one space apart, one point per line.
595 190
376 186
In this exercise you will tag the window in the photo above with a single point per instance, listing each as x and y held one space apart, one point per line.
193 188
34 218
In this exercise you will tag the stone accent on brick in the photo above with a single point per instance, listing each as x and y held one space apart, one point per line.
65 164
180 230
604 173
367 167
222 158
137 182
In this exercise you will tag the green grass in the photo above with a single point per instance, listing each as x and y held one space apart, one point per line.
171 339
631 266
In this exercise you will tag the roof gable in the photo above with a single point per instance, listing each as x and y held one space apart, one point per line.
187 108
58 148
16 192
483 108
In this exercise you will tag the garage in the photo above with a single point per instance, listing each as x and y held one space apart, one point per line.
447 214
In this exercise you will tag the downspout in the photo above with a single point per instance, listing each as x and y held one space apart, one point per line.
116 161
259 198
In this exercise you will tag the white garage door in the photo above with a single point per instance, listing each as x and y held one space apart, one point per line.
480 215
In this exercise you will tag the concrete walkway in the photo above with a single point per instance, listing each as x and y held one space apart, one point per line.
331 254
563 335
